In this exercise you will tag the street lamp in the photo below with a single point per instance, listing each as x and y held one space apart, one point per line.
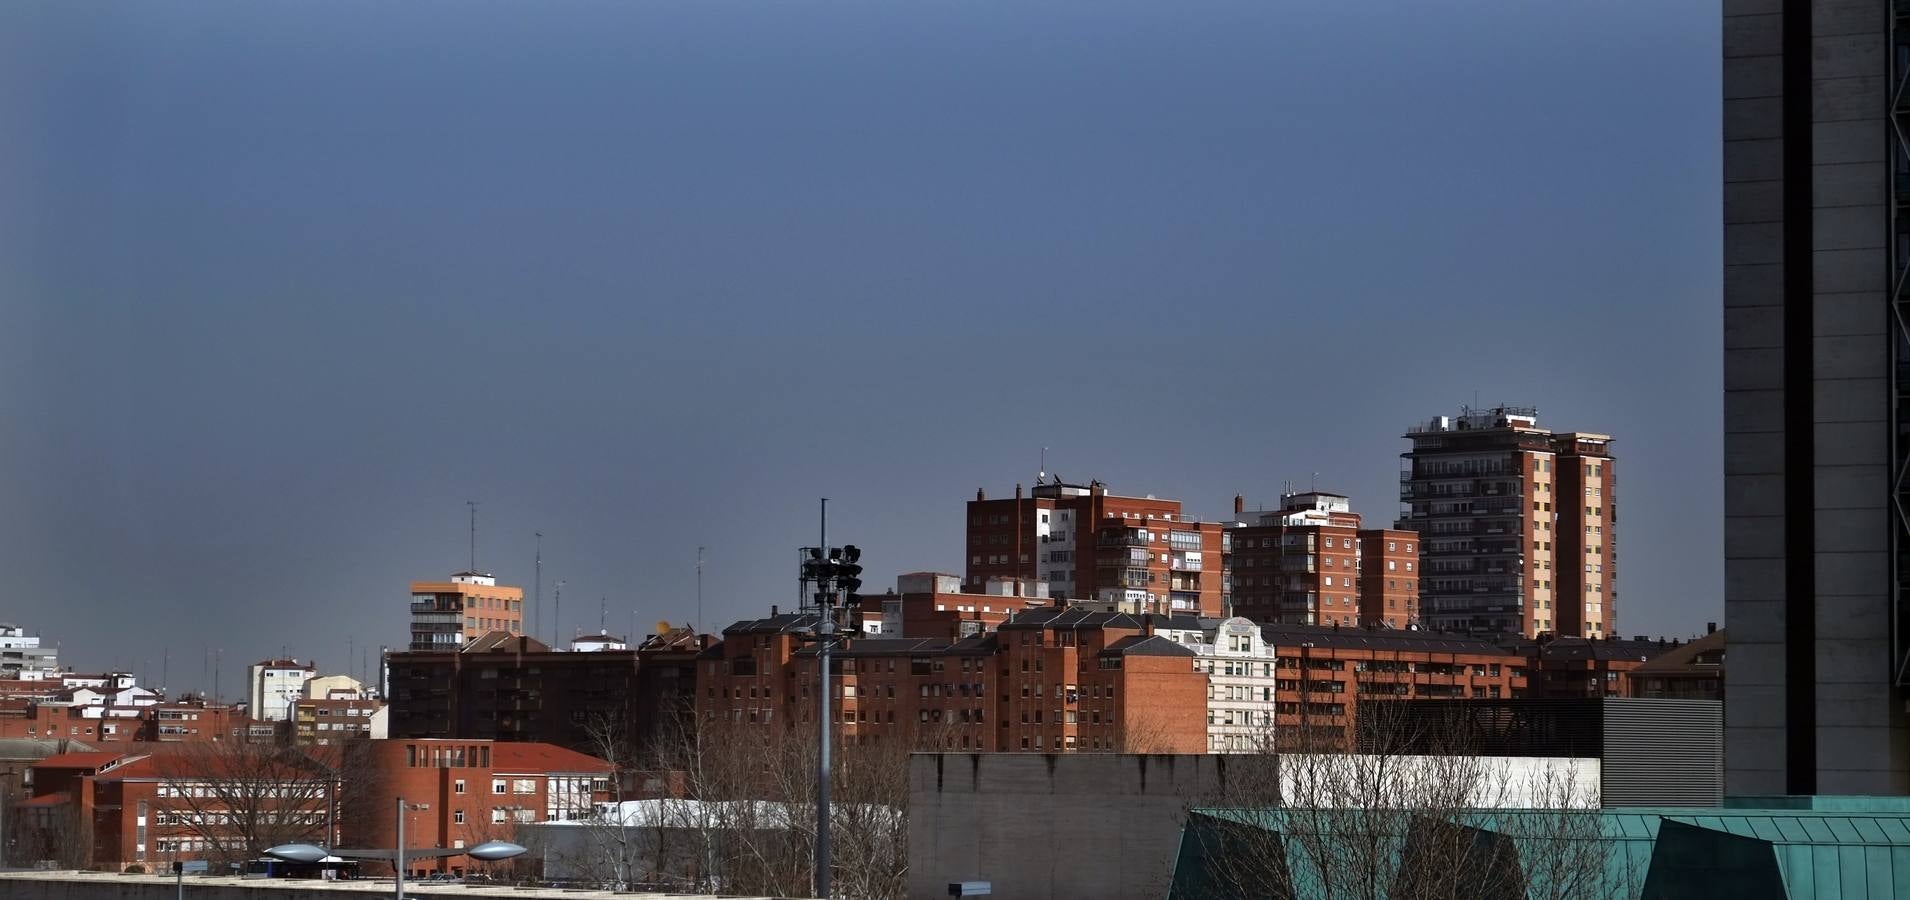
829 575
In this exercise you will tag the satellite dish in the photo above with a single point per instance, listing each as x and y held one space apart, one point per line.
303 853
494 850
663 626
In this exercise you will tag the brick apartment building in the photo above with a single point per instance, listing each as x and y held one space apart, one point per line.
1048 679
1309 562
460 793
1323 674
1069 679
515 688
1518 524
1141 554
448 614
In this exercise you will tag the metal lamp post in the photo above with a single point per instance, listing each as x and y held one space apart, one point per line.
829 574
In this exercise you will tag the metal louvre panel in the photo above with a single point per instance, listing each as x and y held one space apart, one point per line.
1662 753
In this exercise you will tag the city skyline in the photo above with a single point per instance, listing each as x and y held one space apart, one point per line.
278 298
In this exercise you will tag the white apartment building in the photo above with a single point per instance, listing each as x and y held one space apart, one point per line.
22 658
1240 681
274 685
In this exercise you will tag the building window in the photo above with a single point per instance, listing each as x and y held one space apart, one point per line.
498 787
457 816
457 787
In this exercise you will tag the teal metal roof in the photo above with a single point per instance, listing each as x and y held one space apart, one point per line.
1810 849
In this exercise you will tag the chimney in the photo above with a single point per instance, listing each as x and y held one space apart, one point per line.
1017 490
980 494
1710 627
1240 504
772 610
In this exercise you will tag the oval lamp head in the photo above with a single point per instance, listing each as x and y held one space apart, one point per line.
304 853
494 850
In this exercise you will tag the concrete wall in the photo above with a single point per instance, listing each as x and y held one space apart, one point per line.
1051 825
1807 398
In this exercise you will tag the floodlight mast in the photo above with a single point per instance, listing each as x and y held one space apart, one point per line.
829 576
825 634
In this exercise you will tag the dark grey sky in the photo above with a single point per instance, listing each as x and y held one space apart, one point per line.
282 286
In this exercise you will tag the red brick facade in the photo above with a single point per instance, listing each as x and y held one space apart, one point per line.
1141 553
1053 680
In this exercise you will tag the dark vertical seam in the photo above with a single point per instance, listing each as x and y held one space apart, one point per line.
1800 521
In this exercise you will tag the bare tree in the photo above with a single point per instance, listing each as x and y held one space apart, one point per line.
613 843
236 798
749 824
1413 811
55 835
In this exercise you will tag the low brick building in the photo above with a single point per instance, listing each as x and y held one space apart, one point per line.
460 793
225 803
222 802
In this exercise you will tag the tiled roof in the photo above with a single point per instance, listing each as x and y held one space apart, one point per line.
519 758
884 647
979 644
80 760
1679 658
1564 649
776 624
1146 645
207 760
504 642
1071 618
1378 639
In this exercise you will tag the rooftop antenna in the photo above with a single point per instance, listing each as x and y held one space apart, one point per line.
537 592
473 504
603 614
557 617
699 593
1044 466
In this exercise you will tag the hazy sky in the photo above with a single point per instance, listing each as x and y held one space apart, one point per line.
282 286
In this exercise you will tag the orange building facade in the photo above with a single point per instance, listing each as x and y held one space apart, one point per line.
446 615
